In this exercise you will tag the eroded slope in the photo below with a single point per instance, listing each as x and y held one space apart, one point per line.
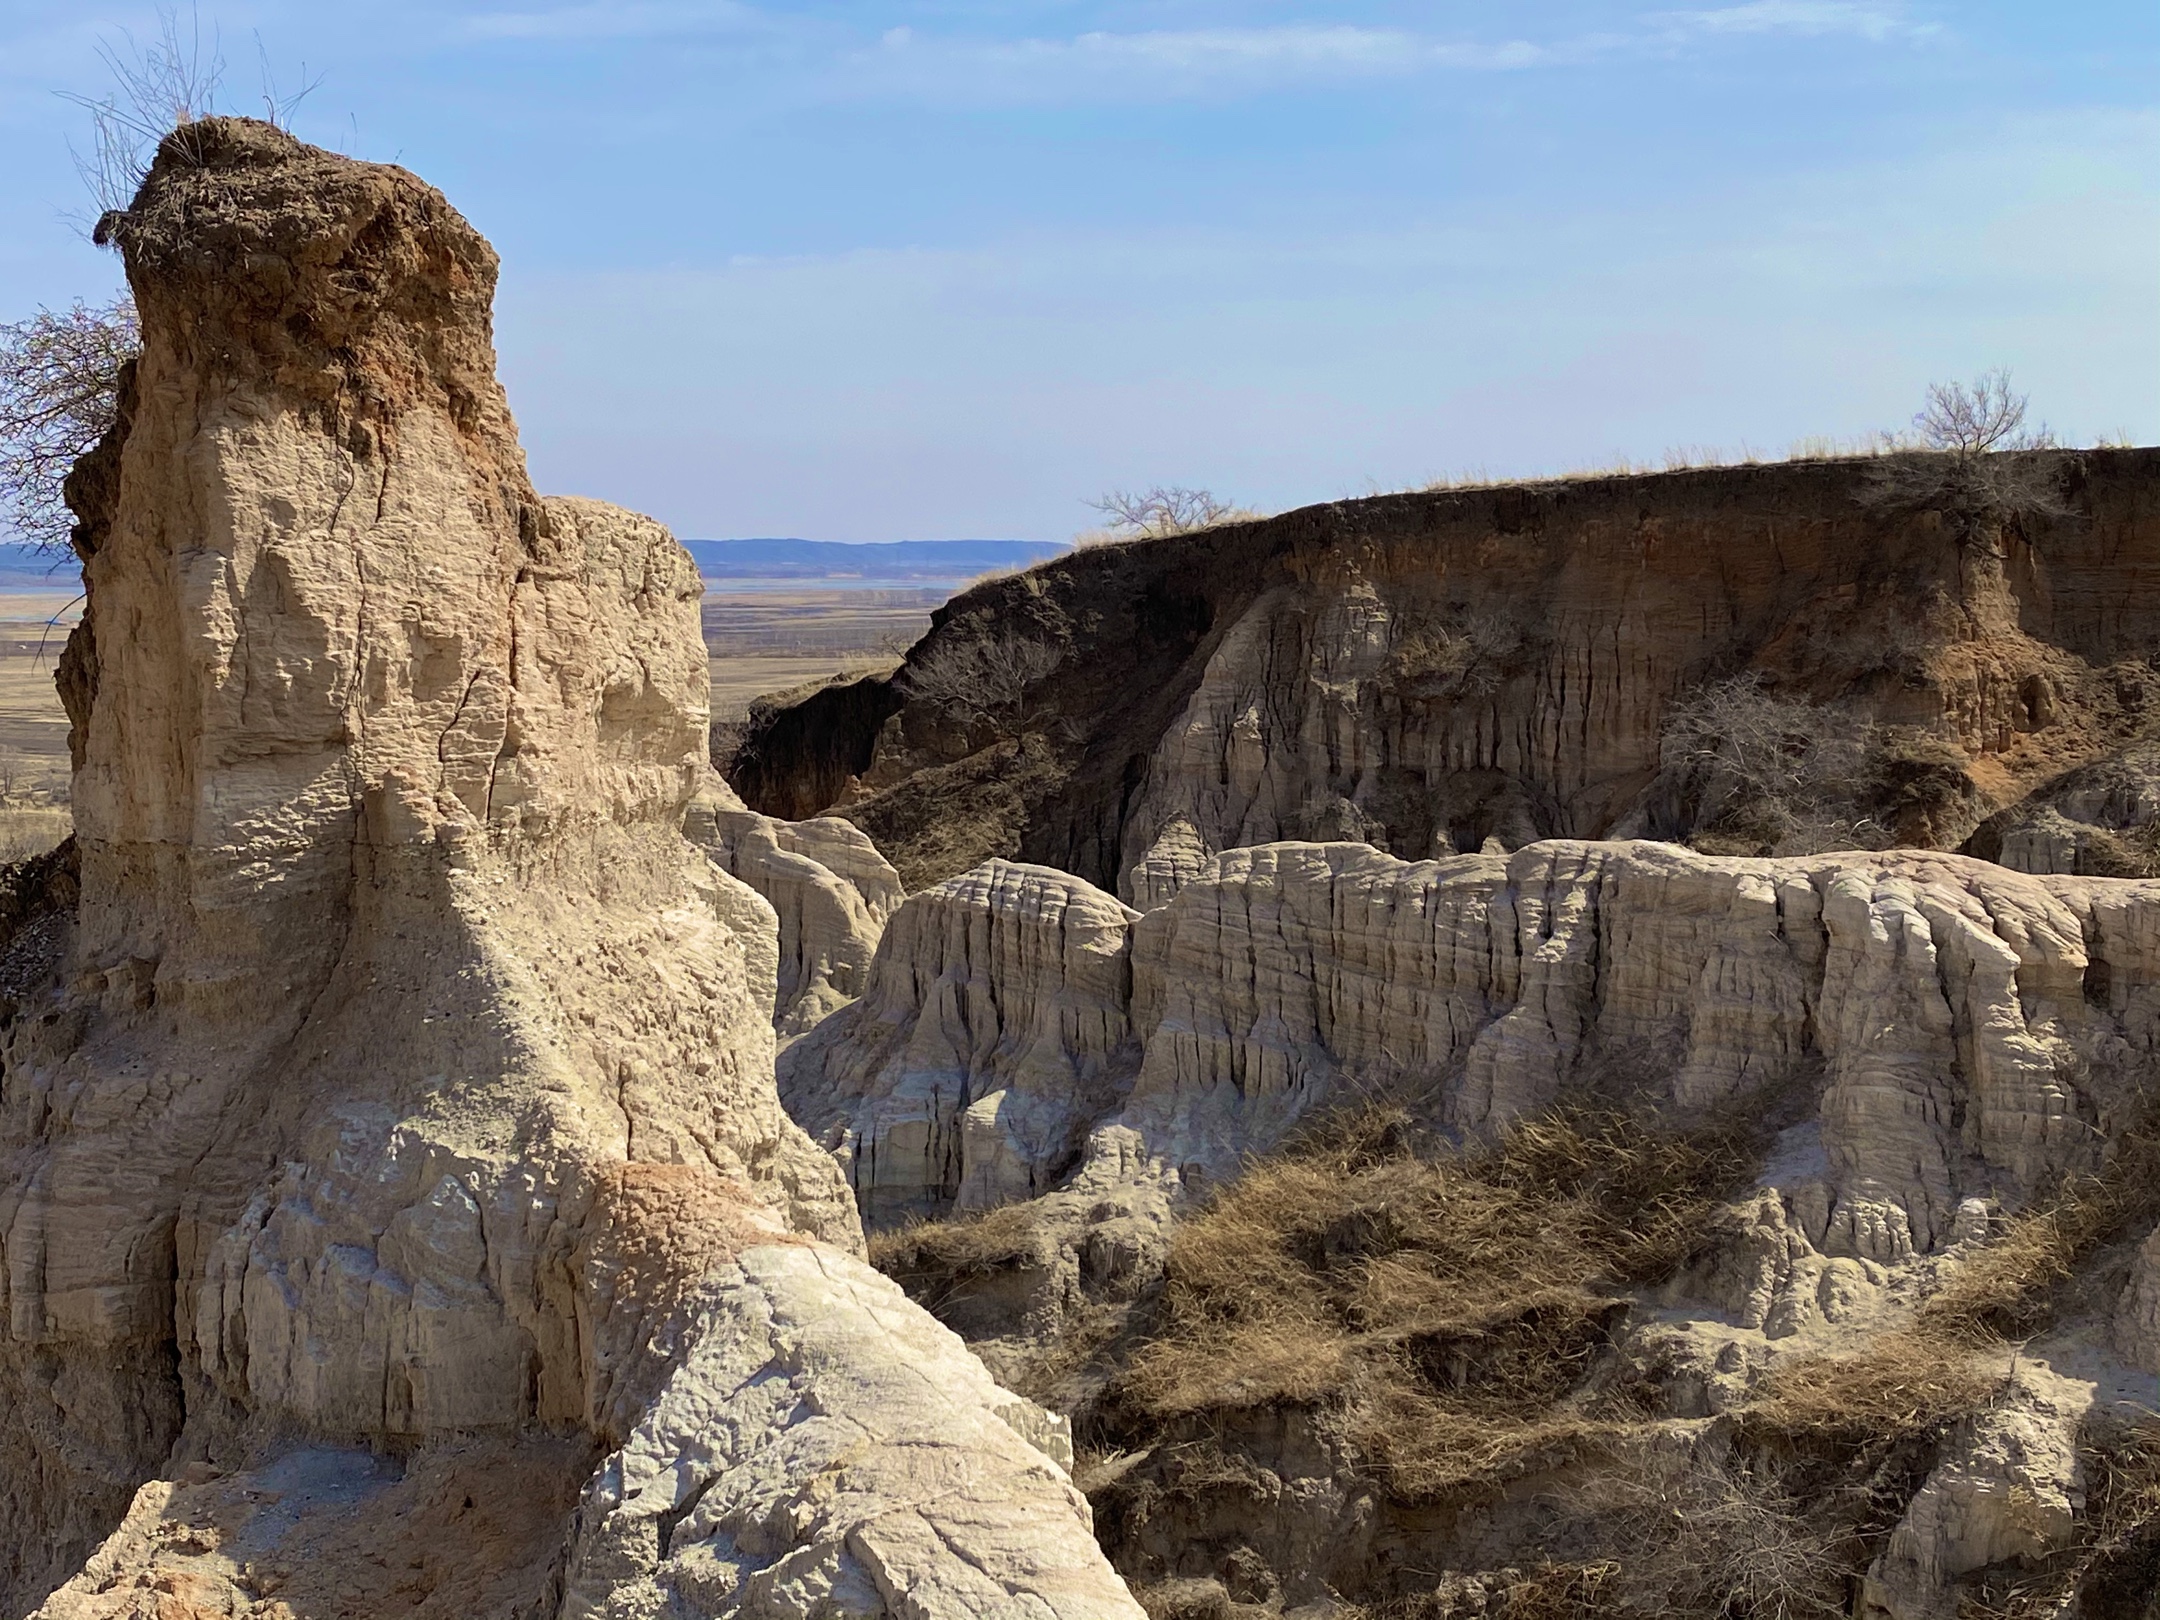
1424 672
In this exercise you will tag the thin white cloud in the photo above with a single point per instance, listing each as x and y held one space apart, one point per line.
604 21
1805 17
1300 50
1208 62
1167 62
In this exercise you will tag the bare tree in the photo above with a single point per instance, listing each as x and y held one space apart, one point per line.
1155 514
1972 421
160 85
987 680
59 394
1973 464
60 370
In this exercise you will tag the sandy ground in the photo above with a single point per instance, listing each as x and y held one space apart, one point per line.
33 730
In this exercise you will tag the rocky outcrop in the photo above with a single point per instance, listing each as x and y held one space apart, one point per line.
2137 1313
1280 971
829 886
2010 1491
1425 672
1970 1032
398 1130
1920 1044
993 1035
827 1448
2095 821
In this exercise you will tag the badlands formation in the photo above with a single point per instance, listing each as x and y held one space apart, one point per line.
397 1215
1313 1075
1437 815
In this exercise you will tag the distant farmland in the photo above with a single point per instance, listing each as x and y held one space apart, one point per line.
778 614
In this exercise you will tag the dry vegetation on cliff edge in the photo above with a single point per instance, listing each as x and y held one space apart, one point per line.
1445 1305
1446 1316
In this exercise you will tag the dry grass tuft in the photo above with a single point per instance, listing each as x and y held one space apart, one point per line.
2009 1289
956 1248
1440 1320
1444 1306
1902 1386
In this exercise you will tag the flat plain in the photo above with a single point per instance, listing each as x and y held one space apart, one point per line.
766 639
34 626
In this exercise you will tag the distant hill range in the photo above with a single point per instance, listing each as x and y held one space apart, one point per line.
888 559
26 568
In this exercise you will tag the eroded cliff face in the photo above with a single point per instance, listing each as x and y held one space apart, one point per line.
1425 672
994 1032
398 1130
1932 1044
1974 1033
828 884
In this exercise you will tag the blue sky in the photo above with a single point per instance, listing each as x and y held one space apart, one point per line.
865 271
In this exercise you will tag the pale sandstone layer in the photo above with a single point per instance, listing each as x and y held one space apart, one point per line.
1971 1031
991 1037
829 885
398 1133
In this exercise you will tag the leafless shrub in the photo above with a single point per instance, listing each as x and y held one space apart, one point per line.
161 85
279 105
1971 421
986 680
1899 645
1464 654
59 394
1770 770
1975 460
1157 513
1717 1535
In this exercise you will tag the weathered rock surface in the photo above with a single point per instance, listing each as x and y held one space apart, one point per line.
2137 1313
1278 971
830 887
398 1131
1970 1028
993 1035
2011 1490
1948 1038
1424 672
2095 821
827 1448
